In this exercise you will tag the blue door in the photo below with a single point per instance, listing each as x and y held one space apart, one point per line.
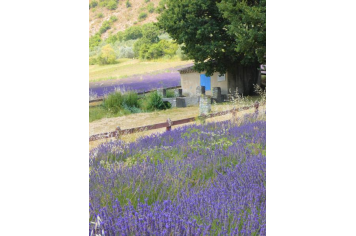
205 81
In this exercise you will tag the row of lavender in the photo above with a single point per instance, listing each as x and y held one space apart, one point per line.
196 180
138 83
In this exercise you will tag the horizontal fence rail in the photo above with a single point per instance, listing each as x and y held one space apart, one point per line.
99 99
168 124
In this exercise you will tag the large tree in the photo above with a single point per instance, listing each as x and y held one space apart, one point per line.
220 36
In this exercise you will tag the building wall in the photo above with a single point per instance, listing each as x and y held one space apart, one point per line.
222 84
190 81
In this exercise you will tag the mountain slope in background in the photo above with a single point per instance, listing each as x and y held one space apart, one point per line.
126 16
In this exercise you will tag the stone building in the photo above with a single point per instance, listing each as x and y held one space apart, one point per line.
191 79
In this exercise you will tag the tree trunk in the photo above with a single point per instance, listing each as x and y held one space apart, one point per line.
243 78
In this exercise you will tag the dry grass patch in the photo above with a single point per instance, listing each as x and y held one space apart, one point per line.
130 67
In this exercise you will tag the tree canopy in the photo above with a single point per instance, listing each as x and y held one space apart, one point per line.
217 34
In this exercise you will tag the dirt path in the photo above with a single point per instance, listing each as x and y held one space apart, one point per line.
141 119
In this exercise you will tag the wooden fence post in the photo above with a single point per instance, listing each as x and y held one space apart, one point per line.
118 132
168 128
256 107
234 113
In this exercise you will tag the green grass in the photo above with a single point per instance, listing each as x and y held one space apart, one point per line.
117 104
128 67
98 112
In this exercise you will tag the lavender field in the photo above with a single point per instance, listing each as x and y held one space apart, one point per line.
139 83
194 180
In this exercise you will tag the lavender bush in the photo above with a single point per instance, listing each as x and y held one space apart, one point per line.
195 180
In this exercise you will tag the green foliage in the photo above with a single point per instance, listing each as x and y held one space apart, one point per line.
131 99
109 4
181 54
161 6
125 103
118 101
141 49
112 5
134 32
103 3
92 61
113 102
151 32
208 29
112 39
168 48
128 4
248 26
157 50
155 102
104 27
94 41
203 35
140 43
100 15
99 112
106 56
113 19
93 4
142 16
151 7
146 1
122 104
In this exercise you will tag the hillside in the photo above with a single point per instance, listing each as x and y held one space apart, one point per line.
126 16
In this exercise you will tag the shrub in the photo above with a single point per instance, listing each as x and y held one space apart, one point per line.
142 16
113 19
103 3
125 52
168 48
118 102
112 39
161 6
140 43
143 52
104 27
100 15
155 51
128 4
94 41
93 4
92 60
132 109
146 1
151 7
134 32
151 32
155 102
113 102
131 99
107 55
112 5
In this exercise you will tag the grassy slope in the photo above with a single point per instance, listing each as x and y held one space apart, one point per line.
126 16
129 67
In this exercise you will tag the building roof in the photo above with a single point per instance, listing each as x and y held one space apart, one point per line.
186 70
190 69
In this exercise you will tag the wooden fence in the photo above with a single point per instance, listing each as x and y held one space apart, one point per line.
168 124
99 99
